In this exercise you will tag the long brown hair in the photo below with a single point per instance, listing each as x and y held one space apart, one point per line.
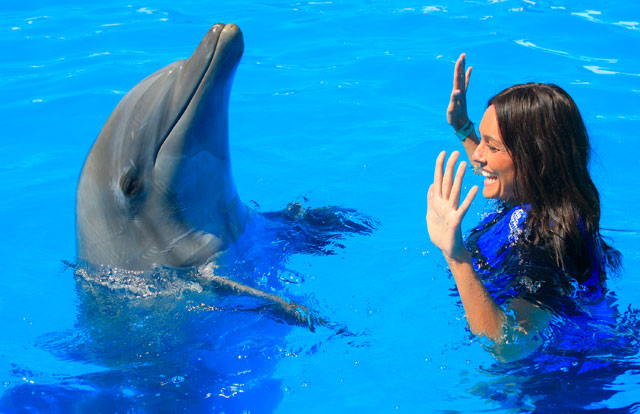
545 135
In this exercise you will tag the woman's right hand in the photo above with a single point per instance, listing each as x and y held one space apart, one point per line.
457 110
445 213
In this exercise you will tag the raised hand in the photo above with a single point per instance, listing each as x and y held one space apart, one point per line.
457 110
444 216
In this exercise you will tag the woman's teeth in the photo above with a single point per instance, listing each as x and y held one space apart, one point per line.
490 178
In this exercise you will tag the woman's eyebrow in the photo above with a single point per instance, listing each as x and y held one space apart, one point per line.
491 139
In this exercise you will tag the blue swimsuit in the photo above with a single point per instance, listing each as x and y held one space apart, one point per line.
510 267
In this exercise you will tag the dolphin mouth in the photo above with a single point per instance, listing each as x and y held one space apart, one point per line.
226 46
222 46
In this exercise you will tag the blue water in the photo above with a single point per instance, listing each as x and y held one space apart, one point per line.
334 103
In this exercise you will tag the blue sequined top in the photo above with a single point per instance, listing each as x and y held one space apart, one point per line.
510 267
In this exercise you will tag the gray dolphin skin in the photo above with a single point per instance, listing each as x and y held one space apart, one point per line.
156 187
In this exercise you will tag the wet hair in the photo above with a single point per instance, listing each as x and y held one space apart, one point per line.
544 134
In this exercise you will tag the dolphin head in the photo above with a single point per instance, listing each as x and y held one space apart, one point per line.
156 187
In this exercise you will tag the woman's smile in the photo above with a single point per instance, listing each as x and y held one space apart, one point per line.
489 178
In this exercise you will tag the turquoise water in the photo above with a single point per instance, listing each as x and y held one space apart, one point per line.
334 103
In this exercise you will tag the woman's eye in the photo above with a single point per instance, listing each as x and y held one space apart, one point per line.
491 147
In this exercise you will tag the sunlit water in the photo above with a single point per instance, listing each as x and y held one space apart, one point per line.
334 104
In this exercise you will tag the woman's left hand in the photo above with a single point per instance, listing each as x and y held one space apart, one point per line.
457 109
444 216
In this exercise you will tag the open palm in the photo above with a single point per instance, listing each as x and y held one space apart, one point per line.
457 109
444 216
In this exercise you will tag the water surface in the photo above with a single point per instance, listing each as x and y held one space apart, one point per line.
334 103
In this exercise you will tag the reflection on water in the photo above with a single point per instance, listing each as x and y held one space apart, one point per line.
167 342
577 369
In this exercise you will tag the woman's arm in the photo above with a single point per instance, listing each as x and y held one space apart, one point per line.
484 316
444 217
457 111
443 220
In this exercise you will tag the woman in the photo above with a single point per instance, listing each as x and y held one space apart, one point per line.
544 233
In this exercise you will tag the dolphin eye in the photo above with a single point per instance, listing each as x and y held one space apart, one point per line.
130 183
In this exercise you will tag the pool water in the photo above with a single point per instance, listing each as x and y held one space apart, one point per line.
333 104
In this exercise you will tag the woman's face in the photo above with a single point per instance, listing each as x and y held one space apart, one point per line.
494 160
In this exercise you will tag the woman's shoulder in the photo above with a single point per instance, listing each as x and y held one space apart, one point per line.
517 229
503 222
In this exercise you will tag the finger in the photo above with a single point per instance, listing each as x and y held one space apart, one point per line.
456 96
454 198
437 176
466 83
456 73
454 104
464 207
448 174
461 72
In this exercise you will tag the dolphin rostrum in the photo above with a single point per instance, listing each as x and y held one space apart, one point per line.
156 187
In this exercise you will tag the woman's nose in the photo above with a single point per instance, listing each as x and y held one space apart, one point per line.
478 155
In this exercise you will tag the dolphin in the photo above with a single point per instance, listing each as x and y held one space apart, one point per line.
156 188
